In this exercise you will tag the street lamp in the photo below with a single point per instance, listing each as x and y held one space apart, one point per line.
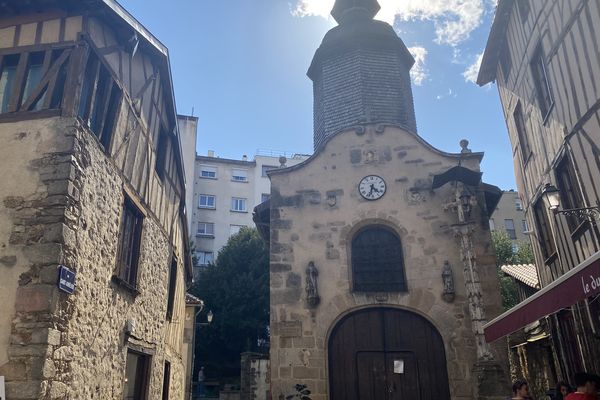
551 196
209 318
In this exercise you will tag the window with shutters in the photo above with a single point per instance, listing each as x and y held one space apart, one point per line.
377 261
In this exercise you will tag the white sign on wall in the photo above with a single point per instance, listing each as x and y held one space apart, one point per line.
2 395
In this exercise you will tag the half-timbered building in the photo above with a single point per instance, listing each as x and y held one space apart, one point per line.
93 232
544 57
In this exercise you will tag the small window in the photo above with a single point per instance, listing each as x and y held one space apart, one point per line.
239 175
541 82
238 204
204 257
234 229
518 204
99 100
509 224
172 288
267 168
33 76
522 133
208 172
207 201
515 248
137 374
571 196
492 224
544 233
166 381
377 261
129 243
206 229
7 80
264 197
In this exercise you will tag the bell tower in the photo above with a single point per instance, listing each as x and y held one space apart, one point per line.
360 73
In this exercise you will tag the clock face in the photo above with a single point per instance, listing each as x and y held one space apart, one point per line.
371 187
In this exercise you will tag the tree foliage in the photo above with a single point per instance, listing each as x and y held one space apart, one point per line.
506 255
236 290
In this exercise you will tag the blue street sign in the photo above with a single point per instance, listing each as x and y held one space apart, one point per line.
66 279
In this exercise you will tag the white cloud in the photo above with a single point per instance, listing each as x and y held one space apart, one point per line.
453 20
472 70
418 73
450 93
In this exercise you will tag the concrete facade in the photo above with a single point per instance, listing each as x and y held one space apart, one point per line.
509 216
254 190
62 203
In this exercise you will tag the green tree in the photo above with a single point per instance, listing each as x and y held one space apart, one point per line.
506 255
236 290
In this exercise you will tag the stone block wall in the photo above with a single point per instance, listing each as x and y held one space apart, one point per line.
315 211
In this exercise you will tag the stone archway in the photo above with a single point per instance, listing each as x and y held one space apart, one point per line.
385 353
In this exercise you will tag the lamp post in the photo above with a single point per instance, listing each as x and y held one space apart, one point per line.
551 196
209 318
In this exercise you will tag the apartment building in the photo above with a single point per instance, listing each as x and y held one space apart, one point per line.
225 193
510 217
544 58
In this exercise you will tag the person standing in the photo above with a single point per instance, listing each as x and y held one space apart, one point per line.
520 390
586 387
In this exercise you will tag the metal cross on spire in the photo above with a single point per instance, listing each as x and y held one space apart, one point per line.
344 8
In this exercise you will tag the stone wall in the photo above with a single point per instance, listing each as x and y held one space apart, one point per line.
316 209
255 377
64 207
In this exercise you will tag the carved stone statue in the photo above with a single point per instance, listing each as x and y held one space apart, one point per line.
448 279
312 292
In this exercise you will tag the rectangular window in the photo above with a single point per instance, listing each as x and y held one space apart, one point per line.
518 204
541 82
204 257
522 132
509 224
524 226
7 80
267 168
571 196
208 172
492 224
161 155
137 374
207 201
206 229
99 100
264 197
544 233
239 175
33 76
238 204
166 381
234 229
129 243
172 288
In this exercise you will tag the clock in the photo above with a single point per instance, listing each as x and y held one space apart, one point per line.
371 187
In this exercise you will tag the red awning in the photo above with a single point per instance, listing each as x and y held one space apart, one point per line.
578 284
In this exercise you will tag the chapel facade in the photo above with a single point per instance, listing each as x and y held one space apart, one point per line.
382 269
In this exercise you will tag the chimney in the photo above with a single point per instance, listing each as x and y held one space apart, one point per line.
211 153
244 158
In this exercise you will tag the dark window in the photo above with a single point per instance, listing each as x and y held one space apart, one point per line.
377 261
137 372
545 234
99 100
7 80
540 80
509 224
267 168
172 288
523 9
161 155
129 243
166 381
522 132
505 62
571 196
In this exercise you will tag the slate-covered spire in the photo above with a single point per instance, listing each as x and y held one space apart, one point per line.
345 10
360 73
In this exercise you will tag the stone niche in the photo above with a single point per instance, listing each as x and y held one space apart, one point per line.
316 209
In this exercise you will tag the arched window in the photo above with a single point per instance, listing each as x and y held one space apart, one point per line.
377 261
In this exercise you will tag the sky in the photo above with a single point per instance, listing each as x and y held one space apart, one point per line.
240 67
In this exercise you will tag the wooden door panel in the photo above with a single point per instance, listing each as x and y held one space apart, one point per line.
405 384
371 376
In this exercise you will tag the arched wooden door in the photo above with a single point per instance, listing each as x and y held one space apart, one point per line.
387 354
